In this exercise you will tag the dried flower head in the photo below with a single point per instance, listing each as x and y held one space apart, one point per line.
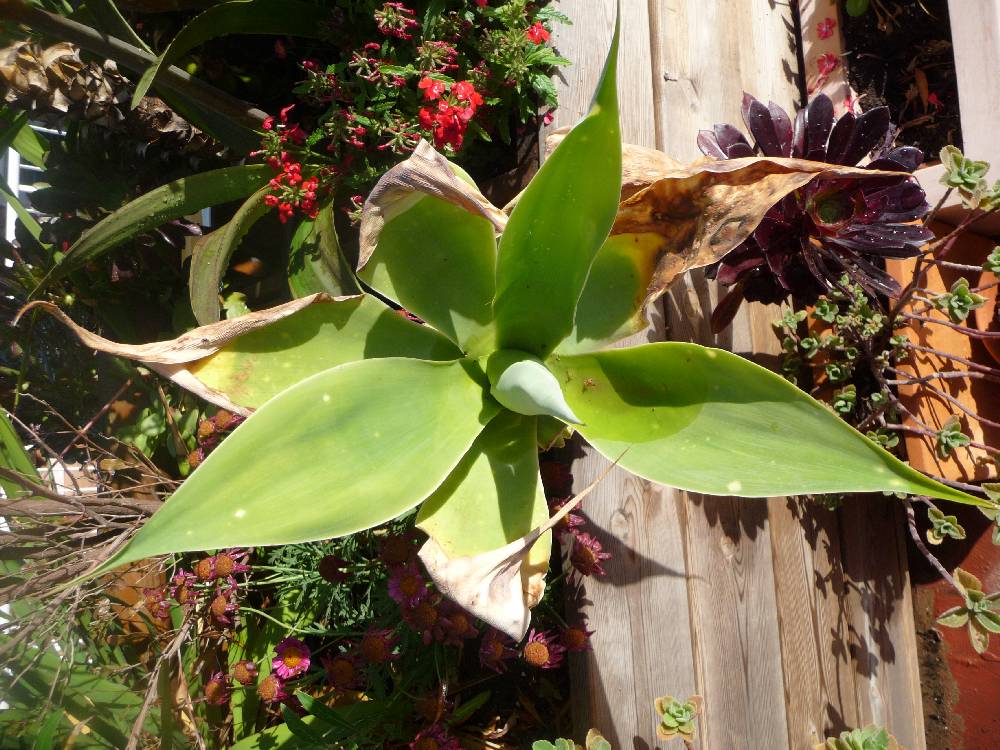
809 239
343 671
217 689
576 638
272 689
587 555
377 646
496 649
245 672
542 650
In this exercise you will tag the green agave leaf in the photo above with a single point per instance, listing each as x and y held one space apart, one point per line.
557 227
438 261
324 458
257 366
170 201
493 496
706 420
316 262
239 17
211 255
524 385
611 306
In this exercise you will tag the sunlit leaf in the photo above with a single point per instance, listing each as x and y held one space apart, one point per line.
311 463
241 363
493 497
558 225
427 242
525 386
709 421
175 199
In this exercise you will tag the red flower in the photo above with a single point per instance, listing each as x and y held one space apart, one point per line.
827 63
482 3
464 91
587 555
934 101
537 33
824 29
433 88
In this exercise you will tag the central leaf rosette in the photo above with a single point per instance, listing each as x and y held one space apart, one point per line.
359 414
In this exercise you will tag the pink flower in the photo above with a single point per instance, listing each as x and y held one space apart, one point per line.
827 63
537 33
495 650
425 619
570 522
292 658
407 586
576 638
587 555
217 689
824 29
182 587
435 738
542 651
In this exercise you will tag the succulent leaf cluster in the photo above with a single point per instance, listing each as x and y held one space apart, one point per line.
831 227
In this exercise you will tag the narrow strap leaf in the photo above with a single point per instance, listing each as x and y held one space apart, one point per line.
171 201
316 262
557 227
211 255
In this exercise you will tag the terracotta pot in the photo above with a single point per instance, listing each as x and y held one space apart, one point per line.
979 396
986 318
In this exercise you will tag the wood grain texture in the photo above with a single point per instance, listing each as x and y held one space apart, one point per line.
760 606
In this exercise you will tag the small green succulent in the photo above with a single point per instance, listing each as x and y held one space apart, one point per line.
967 175
869 738
959 301
980 613
845 399
993 512
950 437
677 719
943 526
992 262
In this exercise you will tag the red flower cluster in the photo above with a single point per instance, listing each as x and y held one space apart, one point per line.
395 19
291 191
537 33
456 106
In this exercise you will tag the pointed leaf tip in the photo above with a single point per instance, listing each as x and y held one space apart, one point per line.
525 386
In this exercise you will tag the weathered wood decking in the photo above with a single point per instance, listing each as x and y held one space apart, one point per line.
788 619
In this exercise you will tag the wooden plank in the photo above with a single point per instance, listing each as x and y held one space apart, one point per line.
643 643
749 603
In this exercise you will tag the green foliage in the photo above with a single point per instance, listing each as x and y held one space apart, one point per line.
959 301
950 437
961 172
677 718
979 613
993 513
857 7
943 526
992 262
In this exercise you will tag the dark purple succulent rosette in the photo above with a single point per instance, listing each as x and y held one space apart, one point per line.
831 227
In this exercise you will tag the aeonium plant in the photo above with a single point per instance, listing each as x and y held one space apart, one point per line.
358 414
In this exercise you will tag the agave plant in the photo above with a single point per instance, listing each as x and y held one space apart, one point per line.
808 240
359 414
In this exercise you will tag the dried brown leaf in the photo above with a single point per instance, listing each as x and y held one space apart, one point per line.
704 210
491 585
172 359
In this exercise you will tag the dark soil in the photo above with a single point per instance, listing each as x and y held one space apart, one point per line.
899 54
